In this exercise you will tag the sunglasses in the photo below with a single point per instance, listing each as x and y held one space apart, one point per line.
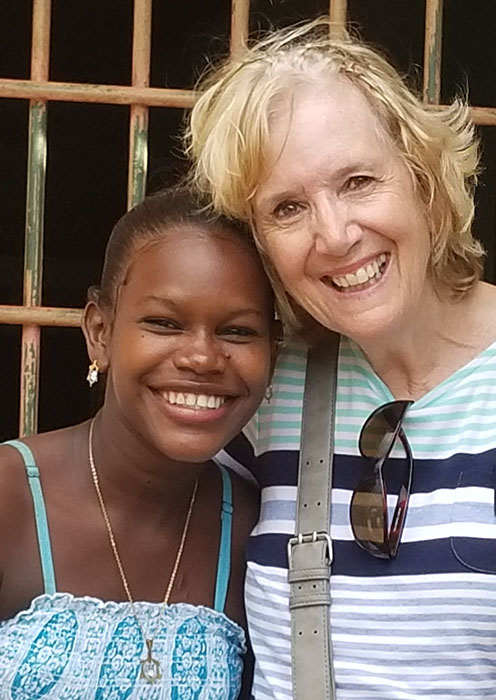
368 507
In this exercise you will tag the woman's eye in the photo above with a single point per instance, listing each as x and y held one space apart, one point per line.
286 210
358 182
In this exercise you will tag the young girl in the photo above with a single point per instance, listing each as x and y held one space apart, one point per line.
121 543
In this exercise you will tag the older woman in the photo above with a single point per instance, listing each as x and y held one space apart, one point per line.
361 201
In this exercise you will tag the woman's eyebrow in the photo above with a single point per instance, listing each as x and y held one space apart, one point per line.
274 198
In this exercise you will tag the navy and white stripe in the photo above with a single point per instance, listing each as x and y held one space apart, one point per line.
423 625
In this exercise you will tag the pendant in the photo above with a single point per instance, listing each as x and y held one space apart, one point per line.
150 667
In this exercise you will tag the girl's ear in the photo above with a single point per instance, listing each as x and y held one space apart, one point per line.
96 328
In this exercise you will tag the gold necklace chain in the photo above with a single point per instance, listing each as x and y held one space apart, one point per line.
150 667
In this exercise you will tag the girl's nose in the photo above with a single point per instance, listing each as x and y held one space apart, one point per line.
201 355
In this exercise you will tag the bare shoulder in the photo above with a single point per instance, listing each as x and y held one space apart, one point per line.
47 450
15 500
12 482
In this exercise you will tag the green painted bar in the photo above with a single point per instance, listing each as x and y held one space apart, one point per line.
35 204
139 155
432 54
33 264
30 380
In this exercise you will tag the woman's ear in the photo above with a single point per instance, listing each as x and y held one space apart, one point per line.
96 326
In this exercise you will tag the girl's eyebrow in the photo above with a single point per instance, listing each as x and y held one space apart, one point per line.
162 300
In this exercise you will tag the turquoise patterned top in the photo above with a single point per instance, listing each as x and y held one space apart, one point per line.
82 648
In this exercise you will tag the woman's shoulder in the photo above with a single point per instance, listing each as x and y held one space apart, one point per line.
483 319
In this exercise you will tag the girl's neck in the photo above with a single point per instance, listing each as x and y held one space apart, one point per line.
133 474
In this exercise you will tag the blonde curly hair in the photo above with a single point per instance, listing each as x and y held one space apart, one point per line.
228 133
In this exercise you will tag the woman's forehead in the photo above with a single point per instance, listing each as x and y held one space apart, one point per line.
329 126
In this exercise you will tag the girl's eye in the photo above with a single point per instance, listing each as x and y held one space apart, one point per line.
286 210
239 333
164 324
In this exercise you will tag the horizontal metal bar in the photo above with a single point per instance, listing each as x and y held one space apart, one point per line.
153 97
40 316
102 94
479 115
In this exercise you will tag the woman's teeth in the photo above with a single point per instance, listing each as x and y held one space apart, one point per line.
195 401
372 271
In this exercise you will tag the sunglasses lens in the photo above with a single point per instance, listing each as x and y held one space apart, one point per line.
379 431
367 514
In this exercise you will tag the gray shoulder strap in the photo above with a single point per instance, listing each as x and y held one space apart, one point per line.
310 550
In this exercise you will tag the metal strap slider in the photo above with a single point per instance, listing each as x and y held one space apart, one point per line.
309 538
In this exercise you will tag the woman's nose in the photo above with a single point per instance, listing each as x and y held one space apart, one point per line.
201 355
335 232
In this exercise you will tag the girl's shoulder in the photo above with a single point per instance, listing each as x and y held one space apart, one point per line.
42 455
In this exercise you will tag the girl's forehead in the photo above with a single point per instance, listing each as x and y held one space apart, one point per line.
188 249
197 272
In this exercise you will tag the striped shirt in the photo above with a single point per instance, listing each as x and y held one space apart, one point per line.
422 625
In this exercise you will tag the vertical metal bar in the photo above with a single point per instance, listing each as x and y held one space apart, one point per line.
240 21
338 10
35 208
432 50
138 117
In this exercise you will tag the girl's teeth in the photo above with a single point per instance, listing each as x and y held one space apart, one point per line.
193 400
202 401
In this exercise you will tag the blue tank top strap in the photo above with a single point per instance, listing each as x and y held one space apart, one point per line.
40 516
224 562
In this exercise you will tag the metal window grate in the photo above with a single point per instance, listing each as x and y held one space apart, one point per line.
139 96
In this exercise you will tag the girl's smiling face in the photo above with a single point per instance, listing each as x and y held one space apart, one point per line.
190 346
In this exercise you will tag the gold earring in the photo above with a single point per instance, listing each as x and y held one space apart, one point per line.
269 393
92 376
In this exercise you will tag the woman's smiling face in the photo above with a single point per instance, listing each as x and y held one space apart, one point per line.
191 343
337 213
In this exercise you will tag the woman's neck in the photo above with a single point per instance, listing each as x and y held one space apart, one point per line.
446 335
